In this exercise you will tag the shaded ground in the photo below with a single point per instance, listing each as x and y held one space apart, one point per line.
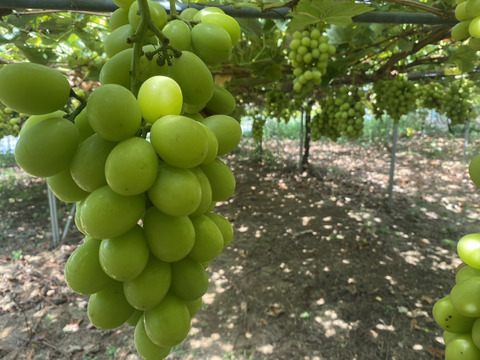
320 267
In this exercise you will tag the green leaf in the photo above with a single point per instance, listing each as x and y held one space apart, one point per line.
340 13
464 57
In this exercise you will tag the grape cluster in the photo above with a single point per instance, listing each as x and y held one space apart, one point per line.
257 128
145 171
341 114
280 106
458 101
10 121
458 313
467 12
431 95
309 54
395 97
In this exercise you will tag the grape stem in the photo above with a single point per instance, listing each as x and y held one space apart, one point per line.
146 23
78 109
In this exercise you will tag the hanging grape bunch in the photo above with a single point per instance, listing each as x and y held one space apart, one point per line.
458 313
144 206
280 106
309 55
322 123
467 12
458 101
10 121
396 97
257 128
431 95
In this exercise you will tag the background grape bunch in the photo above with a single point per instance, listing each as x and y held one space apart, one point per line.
142 161
309 54
457 102
396 97
431 95
341 114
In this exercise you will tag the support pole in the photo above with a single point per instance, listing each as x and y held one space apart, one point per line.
392 165
300 142
52 202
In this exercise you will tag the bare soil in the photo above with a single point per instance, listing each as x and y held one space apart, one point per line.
321 267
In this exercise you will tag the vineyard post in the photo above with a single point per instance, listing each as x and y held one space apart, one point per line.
52 203
300 140
308 117
392 164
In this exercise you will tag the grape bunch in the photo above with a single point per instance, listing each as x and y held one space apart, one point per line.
396 97
257 128
458 101
430 95
145 171
341 114
280 106
458 313
10 121
309 54
467 12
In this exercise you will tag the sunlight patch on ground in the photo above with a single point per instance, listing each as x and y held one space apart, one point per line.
266 349
331 323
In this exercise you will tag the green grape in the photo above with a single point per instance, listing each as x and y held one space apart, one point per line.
83 273
474 170
257 129
64 187
221 179
113 112
195 80
118 40
223 225
116 70
118 18
179 34
460 31
131 167
221 103
188 14
189 279
211 42
449 319
465 273
205 11
136 316
168 323
124 4
212 151
176 191
458 107
468 249
227 130
228 23
464 297
179 141
194 306
170 238
157 12
46 148
108 308
35 119
33 89
208 239
145 347
430 95
148 289
87 166
206 199
84 128
124 257
106 214
159 96
462 347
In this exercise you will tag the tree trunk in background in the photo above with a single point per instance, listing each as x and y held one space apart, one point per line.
306 150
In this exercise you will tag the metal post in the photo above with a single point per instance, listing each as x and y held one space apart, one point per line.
52 202
392 164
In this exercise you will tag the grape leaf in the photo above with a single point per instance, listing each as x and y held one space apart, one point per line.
464 57
340 12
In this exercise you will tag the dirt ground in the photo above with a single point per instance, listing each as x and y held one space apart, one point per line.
321 267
